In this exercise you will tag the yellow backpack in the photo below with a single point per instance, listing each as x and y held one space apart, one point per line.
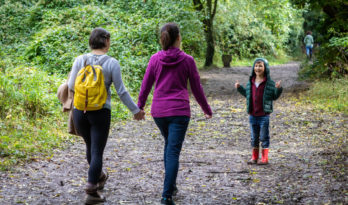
90 92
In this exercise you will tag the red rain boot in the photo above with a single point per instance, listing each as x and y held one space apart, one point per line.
254 156
264 158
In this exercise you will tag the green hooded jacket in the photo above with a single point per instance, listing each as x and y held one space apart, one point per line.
270 93
308 40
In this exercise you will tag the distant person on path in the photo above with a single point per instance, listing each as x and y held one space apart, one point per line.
170 69
308 40
94 125
260 92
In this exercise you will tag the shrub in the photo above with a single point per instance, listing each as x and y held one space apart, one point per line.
331 95
53 50
13 23
251 29
330 61
31 121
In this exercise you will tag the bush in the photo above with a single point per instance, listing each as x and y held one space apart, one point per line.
13 22
31 121
331 95
252 29
63 37
54 4
53 50
331 61
327 21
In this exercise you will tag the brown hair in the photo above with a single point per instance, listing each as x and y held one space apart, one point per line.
98 38
169 34
259 61
309 32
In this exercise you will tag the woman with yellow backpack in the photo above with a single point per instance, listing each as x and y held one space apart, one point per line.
91 77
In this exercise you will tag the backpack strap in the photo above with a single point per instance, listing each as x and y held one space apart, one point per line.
85 58
103 60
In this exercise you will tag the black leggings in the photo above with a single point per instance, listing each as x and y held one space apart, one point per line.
94 127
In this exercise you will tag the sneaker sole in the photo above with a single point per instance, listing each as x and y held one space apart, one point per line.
90 200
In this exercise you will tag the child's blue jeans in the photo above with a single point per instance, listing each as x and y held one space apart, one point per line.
173 130
309 50
259 131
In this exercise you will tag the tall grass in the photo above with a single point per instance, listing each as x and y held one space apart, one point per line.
330 95
31 123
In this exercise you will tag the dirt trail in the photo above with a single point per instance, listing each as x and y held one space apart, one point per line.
307 159
220 82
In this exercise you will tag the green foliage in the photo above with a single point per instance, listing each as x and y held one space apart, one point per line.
27 91
331 61
314 20
53 50
13 23
331 95
248 29
327 20
63 36
31 121
272 61
54 4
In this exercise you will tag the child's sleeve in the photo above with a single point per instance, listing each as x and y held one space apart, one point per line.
242 90
277 93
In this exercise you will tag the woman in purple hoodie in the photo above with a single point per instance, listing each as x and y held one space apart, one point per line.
170 69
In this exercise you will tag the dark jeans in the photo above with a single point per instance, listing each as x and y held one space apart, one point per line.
94 128
259 131
173 130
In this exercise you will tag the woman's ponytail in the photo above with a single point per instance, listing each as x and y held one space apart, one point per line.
169 34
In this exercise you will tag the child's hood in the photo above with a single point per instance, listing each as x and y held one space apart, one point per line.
265 62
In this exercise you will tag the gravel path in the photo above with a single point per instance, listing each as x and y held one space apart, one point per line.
308 156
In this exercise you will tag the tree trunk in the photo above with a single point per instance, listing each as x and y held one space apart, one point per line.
210 12
210 42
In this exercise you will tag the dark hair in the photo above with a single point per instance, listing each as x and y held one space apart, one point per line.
309 32
169 34
98 38
259 61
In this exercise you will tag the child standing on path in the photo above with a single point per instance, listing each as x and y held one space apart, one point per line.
260 92
170 70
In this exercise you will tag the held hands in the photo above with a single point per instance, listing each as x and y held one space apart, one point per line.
277 85
237 85
140 115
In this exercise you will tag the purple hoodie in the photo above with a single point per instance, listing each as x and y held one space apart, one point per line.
170 70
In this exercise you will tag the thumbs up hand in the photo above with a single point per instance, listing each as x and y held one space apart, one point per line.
237 85
278 84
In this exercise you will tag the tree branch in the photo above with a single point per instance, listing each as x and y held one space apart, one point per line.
209 8
198 5
214 11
